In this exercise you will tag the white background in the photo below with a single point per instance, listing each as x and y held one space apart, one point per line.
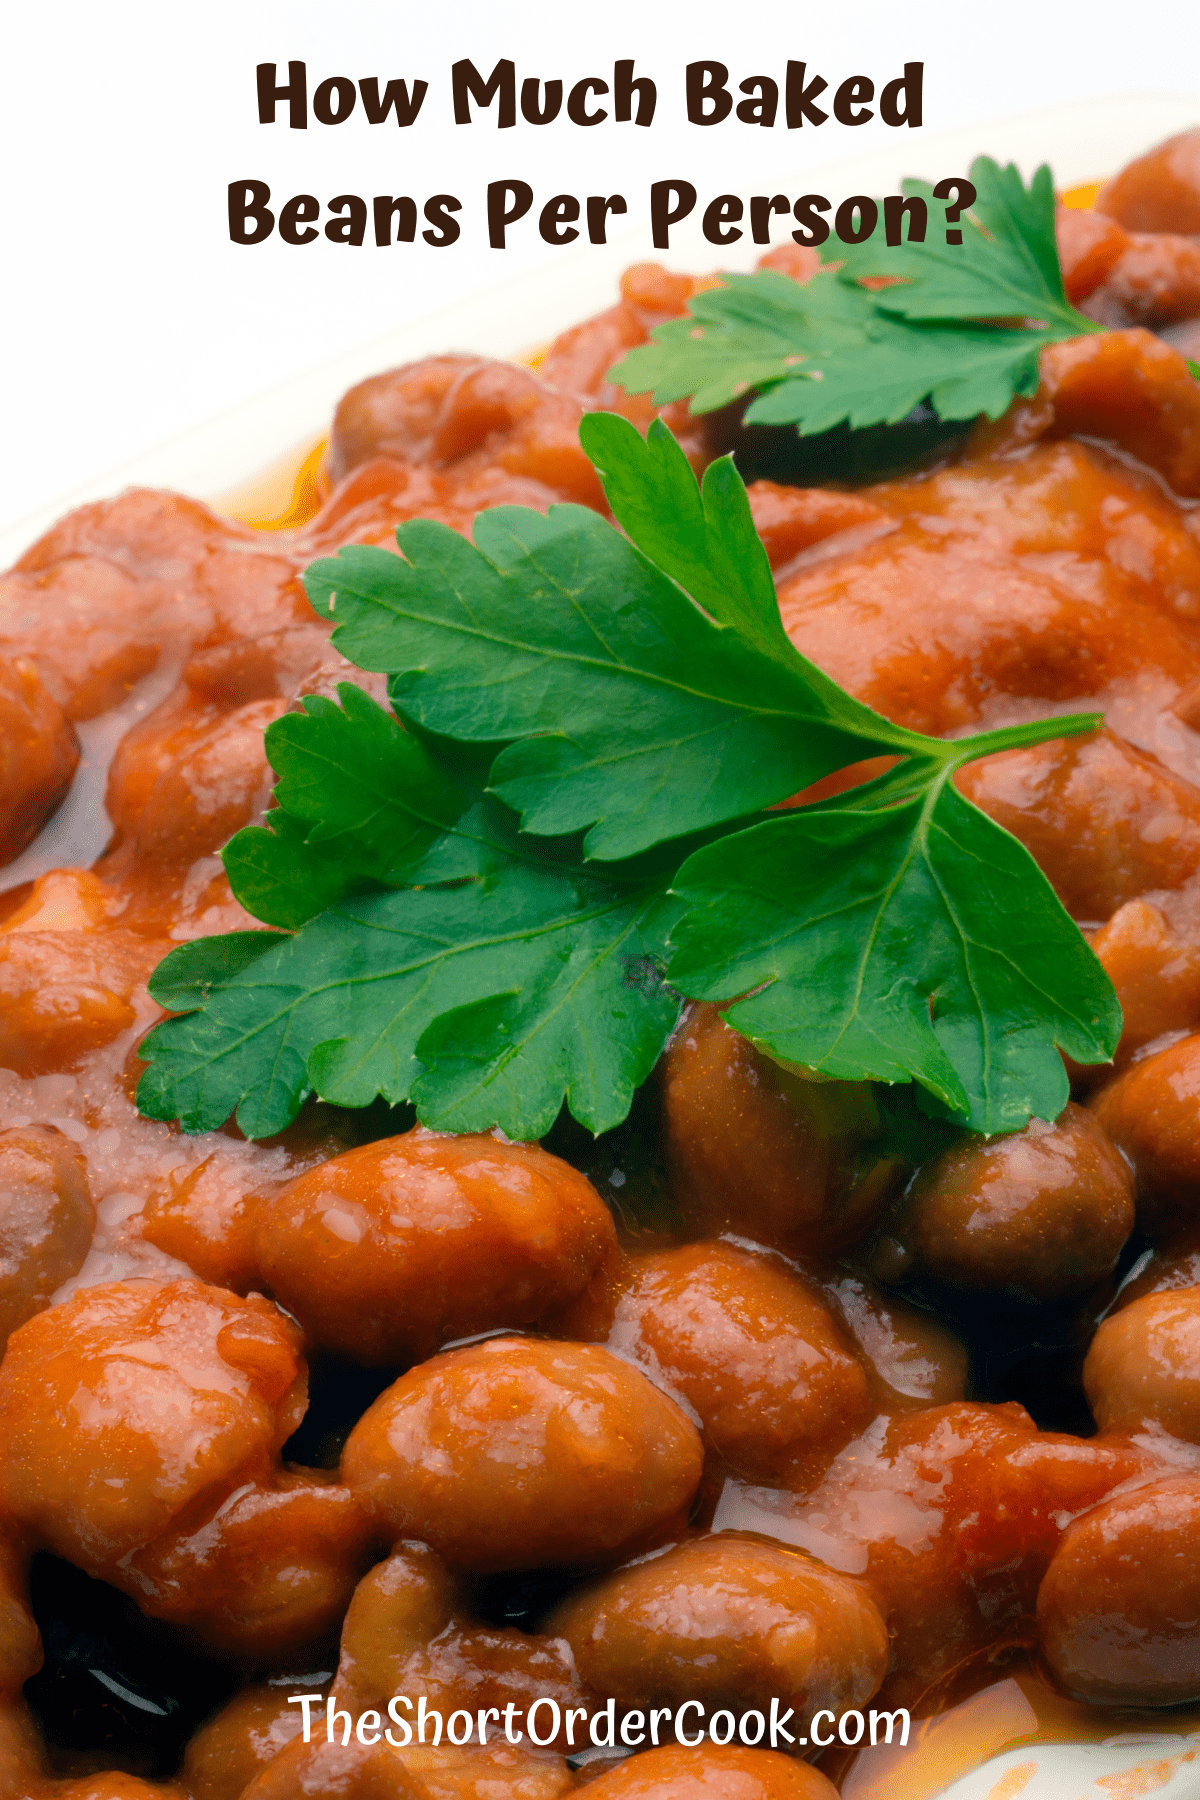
128 315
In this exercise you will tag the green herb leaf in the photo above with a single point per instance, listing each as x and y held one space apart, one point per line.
819 376
831 351
190 976
538 963
546 984
641 687
702 536
1005 268
637 717
361 804
751 331
928 946
962 370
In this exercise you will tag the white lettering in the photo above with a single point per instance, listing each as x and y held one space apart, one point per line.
724 1727
573 1713
778 1726
544 1700
308 1701
691 1742
606 1720
395 1701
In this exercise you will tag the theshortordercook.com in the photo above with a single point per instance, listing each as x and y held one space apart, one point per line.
546 1723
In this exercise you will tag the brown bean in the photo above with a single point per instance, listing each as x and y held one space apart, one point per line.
113 584
262 1574
1152 1112
917 1360
464 414
675 1773
184 781
1130 388
202 1212
1156 972
393 1249
401 412
1172 1264
1144 1366
46 1220
1105 821
124 1404
754 1150
64 994
1089 244
1040 1214
951 1514
1159 191
1118 1606
514 1455
792 520
752 1348
398 1609
956 613
1154 282
409 1631
241 1740
38 756
729 1622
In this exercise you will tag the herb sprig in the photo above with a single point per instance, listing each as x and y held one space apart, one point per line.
960 326
493 901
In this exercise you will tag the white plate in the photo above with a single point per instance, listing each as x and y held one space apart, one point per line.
1081 143
1167 1767
942 1763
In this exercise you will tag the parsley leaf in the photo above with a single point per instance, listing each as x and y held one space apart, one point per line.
751 331
543 985
831 350
928 947
962 370
559 676
703 536
361 803
1006 266
626 710
190 976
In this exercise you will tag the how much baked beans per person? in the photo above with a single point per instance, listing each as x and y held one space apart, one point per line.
733 1405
